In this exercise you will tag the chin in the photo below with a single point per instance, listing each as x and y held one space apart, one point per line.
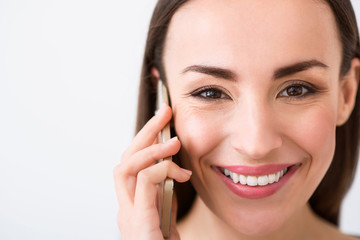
258 227
259 224
253 221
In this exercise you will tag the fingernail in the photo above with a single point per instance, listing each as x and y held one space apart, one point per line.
188 172
174 139
161 109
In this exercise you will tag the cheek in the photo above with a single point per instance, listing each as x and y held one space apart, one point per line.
199 132
314 133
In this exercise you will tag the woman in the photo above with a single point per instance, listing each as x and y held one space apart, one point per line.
265 109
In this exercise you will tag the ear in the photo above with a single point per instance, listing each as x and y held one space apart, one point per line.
347 92
155 76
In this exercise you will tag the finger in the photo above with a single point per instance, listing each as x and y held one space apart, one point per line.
148 133
147 179
123 186
126 172
147 157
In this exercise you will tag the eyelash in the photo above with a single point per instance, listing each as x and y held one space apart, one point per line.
198 93
308 88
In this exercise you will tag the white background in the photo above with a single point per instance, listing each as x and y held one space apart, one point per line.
69 73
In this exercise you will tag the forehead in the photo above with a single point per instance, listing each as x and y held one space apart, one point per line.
230 32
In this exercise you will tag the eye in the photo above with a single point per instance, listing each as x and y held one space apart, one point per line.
209 93
297 90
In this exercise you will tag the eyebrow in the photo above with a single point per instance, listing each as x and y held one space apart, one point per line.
297 67
212 71
232 76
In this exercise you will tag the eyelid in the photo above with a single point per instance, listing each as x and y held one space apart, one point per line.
296 82
310 87
198 91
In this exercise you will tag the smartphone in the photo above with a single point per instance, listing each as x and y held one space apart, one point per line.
165 190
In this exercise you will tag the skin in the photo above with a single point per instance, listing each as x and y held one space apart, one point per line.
252 121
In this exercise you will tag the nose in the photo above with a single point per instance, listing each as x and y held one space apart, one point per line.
255 131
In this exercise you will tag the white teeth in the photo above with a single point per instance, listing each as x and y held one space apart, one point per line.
277 176
235 177
263 180
272 178
252 180
255 180
242 179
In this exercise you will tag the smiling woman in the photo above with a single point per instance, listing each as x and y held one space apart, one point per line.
264 104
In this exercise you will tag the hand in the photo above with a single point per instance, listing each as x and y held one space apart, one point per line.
137 176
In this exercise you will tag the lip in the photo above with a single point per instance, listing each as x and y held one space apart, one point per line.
258 170
256 192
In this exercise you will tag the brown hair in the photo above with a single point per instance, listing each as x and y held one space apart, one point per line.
327 198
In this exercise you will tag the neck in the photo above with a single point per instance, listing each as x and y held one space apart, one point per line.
204 224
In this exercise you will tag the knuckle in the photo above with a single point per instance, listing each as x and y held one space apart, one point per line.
143 175
167 164
154 152
119 170
124 156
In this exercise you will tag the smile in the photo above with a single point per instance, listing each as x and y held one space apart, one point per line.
254 180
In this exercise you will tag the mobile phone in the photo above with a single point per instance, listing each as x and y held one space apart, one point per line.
165 190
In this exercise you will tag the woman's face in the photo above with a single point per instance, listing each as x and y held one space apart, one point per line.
254 87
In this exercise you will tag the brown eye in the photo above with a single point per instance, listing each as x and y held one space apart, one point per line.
209 93
295 91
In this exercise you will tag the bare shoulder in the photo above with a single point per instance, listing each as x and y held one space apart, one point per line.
337 235
333 233
348 237
328 231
